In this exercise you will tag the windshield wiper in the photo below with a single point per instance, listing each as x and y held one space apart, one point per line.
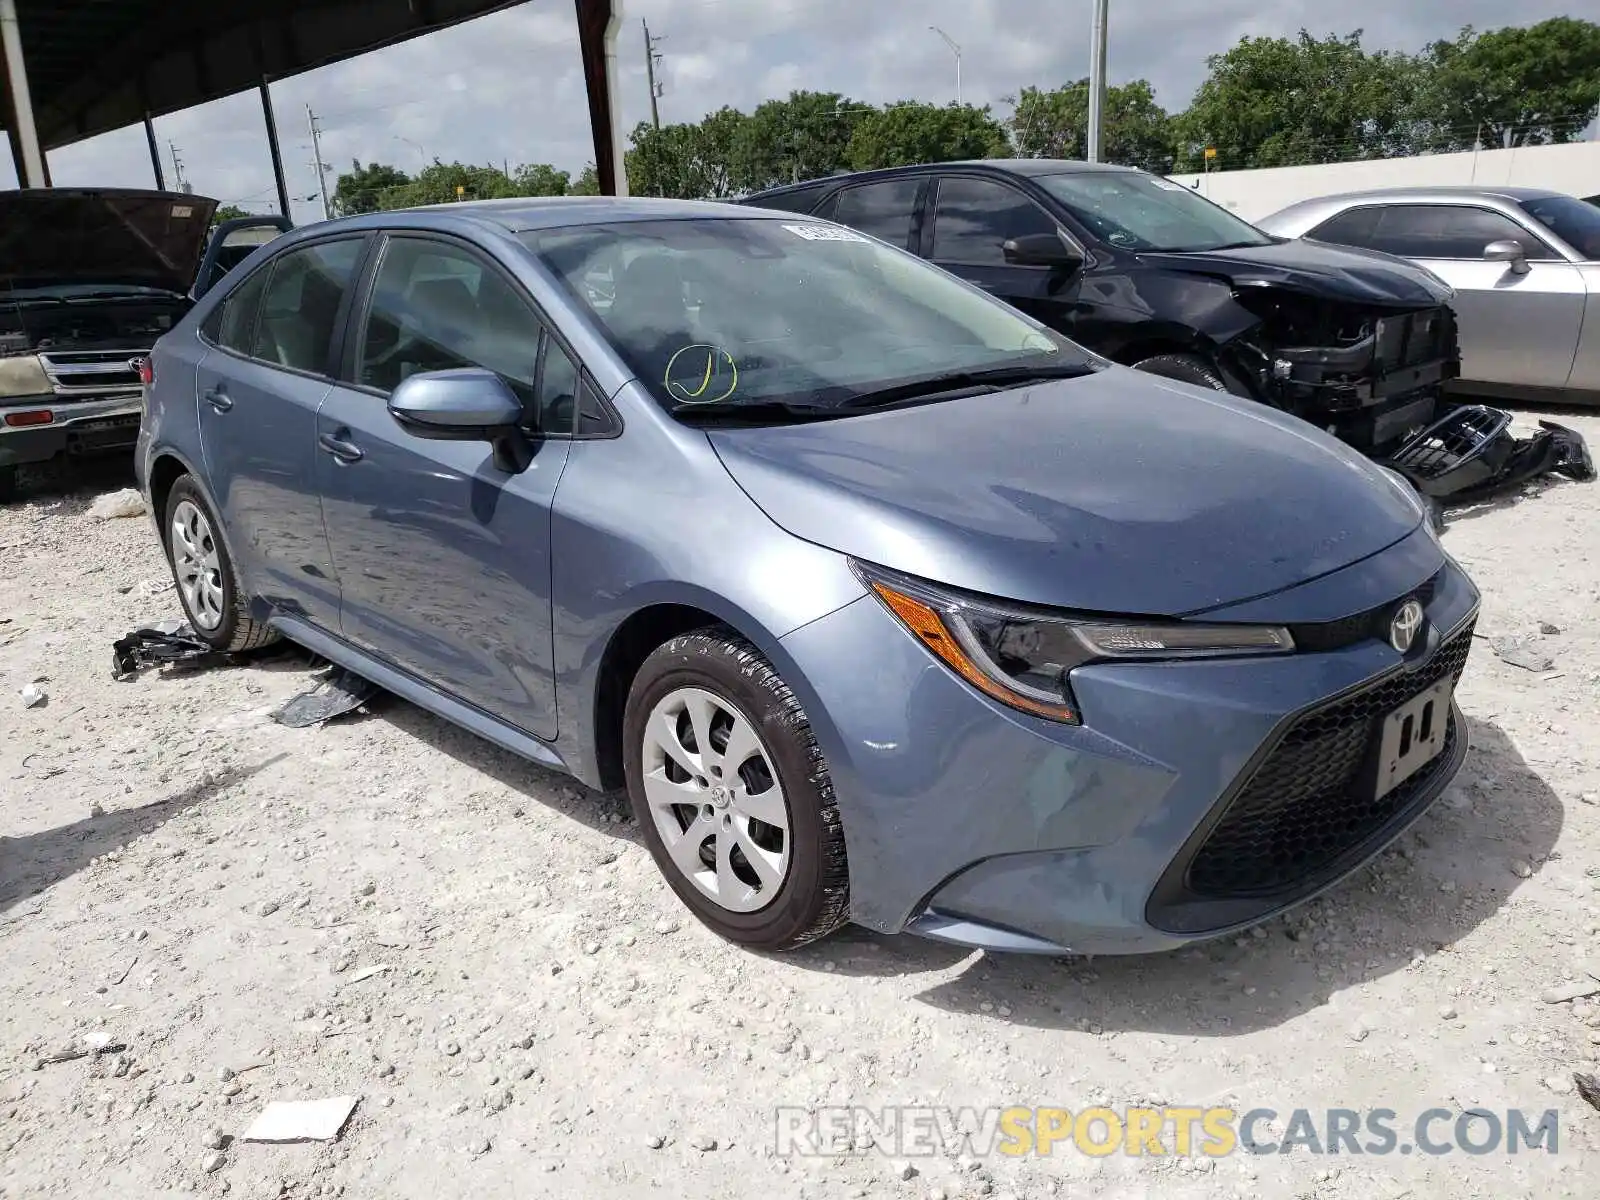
761 412
964 383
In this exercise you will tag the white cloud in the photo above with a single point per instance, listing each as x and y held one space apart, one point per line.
509 87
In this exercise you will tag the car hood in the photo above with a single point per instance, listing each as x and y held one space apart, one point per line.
1116 493
54 236
1316 268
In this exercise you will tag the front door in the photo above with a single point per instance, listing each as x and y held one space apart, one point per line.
443 558
971 220
258 390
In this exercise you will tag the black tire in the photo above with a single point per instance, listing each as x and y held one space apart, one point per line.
237 631
8 484
814 898
1186 368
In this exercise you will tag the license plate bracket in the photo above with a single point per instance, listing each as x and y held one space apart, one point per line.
1413 736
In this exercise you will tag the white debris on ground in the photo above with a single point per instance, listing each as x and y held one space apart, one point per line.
197 907
126 503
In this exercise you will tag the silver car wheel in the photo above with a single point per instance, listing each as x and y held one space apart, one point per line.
716 799
195 565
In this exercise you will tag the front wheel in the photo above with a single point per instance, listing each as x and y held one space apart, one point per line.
732 793
1186 368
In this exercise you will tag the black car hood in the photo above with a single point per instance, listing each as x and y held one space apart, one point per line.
1334 272
1120 493
51 236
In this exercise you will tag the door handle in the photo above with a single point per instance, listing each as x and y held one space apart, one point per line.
340 447
218 399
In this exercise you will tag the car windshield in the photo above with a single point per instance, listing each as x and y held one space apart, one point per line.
1571 220
1134 211
727 311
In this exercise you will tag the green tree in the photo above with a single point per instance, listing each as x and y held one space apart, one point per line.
1055 124
228 212
1535 86
540 179
803 137
444 183
690 162
587 183
913 132
365 188
1275 102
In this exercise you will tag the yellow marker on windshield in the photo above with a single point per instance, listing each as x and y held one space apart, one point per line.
695 375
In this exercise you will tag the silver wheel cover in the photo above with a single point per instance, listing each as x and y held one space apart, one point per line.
195 565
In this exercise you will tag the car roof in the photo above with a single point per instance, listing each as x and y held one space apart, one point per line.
519 214
1441 192
1027 167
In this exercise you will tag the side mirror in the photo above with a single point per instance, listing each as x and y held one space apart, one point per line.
1041 250
467 404
1510 252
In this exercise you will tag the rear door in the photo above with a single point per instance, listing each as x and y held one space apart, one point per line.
1515 329
443 558
888 209
970 220
258 391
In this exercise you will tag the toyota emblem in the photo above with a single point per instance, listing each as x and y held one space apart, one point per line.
1405 626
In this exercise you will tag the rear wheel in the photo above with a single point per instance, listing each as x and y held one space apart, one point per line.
732 794
8 484
208 587
1186 368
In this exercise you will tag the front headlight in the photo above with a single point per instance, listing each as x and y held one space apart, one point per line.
1022 657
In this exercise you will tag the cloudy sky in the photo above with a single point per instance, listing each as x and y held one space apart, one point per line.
508 87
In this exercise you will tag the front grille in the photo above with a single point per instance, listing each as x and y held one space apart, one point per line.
1411 339
90 372
1347 631
1311 801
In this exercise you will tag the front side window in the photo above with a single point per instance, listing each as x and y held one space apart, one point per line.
1574 221
436 306
1458 231
720 311
885 210
300 305
974 218
1134 211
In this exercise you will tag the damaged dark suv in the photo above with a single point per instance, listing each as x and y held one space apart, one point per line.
1146 272
89 279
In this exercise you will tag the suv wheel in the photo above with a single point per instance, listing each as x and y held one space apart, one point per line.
208 587
1185 368
732 794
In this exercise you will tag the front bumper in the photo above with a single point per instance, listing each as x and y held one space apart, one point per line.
977 824
98 425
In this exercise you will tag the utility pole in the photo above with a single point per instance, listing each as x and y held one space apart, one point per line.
177 167
1097 79
651 58
316 153
956 50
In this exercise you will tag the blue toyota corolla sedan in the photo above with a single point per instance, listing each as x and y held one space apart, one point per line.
885 603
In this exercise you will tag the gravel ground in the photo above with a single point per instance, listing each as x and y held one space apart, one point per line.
180 875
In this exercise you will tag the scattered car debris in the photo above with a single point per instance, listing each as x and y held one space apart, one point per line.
367 973
91 1045
301 1120
339 693
1470 454
1518 653
32 697
1588 1088
1562 992
126 503
166 643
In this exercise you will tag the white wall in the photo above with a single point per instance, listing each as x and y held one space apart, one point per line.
1573 168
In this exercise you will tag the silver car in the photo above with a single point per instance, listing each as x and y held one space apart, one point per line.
1524 262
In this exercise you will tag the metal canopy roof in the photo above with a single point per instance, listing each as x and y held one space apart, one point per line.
97 65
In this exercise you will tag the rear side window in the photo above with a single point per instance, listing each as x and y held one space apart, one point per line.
1351 228
802 200
885 210
300 305
974 218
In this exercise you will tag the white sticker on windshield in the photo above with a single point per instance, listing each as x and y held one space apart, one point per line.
825 233
182 212
1168 185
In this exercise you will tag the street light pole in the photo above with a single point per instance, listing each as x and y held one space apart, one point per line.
1097 79
954 49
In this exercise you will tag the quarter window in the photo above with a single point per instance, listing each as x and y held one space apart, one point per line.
974 218
885 210
300 304
237 329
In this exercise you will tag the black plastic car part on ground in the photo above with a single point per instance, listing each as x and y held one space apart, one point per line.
89 279
1146 272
